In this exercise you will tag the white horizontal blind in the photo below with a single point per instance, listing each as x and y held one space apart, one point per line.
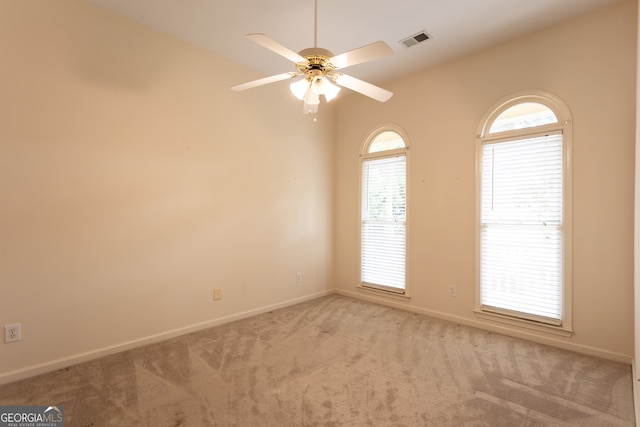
384 211
521 236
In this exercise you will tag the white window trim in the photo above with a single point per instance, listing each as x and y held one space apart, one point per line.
564 125
365 155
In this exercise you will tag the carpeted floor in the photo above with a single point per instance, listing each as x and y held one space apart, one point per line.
337 361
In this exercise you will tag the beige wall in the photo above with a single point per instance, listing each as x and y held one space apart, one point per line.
590 63
134 182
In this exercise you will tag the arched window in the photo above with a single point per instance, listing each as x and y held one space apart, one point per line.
383 213
524 211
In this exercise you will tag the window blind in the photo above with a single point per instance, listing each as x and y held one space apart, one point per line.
383 245
521 220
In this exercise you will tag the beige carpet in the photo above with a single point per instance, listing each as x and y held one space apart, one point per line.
336 361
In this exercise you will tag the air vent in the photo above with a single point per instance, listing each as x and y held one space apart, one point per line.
415 39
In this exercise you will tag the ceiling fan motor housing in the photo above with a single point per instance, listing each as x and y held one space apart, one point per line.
316 64
316 51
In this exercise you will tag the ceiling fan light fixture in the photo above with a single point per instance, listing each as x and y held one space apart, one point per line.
309 91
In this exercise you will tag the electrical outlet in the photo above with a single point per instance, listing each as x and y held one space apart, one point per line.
217 294
452 290
298 277
12 333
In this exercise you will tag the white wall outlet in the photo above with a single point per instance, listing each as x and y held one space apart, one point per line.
217 294
452 290
12 333
298 277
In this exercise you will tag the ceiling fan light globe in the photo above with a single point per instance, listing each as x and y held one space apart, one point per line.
319 85
311 96
330 90
299 88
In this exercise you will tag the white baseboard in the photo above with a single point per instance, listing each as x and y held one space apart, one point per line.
636 390
497 328
106 351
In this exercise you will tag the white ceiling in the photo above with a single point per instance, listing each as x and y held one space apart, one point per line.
457 27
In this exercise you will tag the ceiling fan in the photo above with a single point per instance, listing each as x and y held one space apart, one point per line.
319 68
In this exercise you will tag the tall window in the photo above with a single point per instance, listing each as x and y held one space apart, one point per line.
524 211
383 245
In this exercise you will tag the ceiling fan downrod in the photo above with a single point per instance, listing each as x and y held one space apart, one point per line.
315 23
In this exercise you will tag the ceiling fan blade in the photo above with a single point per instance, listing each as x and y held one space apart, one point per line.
263 81
363 87
362 54
274 46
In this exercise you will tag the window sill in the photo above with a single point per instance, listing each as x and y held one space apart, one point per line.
523 323
383 293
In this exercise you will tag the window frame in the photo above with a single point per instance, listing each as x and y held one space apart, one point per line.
363 157
564 126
